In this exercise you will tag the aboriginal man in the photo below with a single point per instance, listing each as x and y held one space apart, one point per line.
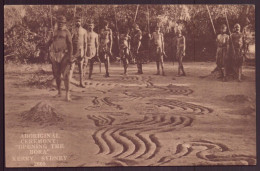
105 46
179 46
237 41
92 47
60 47
79 40
124 48
158 49
135 46
222 51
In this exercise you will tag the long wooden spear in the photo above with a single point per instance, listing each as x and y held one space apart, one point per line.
229 29
51 20
211 19
148 29
136 13
148 19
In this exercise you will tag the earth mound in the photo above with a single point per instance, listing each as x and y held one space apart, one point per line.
42 113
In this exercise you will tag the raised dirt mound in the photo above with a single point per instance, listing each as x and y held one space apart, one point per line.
237 98
42 113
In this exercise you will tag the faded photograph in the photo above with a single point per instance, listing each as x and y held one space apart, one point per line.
129 85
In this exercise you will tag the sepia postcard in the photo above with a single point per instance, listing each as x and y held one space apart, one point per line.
129 85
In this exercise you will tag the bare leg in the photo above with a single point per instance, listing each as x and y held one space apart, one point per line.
90 69
72 70
179 67
141 67
66 71
182 68
81 71
240 73
57 75
162 66
225 74
158 68
125 63
106 65
67 86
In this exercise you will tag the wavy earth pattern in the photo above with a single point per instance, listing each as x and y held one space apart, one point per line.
101 120
176 90
101 84
207 152
179 105
152 91
131 141
136 139
172 89
98 102
141 79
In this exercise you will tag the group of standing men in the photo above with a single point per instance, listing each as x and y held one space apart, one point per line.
230 52
85 46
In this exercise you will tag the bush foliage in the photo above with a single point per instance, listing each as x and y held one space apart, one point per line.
26 27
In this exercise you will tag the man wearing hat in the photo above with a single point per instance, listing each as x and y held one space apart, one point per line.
61 55
237 49
92 47
79 40
158 48
105 45
135 46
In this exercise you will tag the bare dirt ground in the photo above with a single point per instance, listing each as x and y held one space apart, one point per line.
133 120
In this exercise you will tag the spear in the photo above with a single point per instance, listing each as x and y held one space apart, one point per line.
51 19
211 19
148 29
99 39
75 10
229 30
117 31
148 21
136 13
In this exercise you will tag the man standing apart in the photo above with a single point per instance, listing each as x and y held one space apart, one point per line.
61 55
158 48
79 40
105 45
237 43
180 47
222 51
92 47
135 45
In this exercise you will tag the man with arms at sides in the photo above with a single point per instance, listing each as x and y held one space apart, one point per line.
237 41
135 45
158 49
124 48
79 40
180 47
222 51
92 47
105 45
60 46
